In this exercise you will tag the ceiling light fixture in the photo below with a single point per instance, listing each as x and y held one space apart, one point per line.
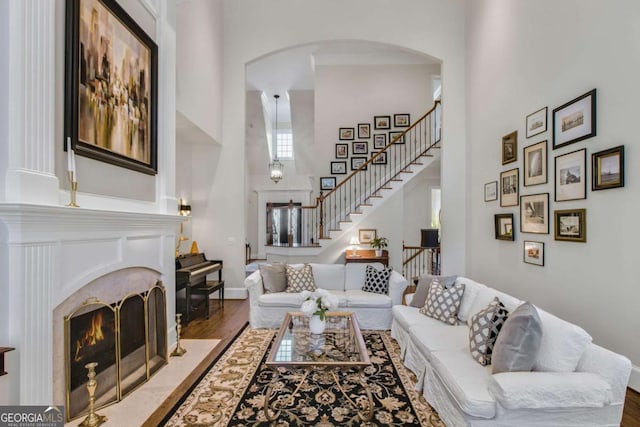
276 168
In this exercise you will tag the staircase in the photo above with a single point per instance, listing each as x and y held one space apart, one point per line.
339 210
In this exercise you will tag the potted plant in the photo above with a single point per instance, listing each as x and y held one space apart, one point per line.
379 243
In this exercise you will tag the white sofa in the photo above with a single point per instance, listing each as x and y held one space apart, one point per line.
587 388
373 311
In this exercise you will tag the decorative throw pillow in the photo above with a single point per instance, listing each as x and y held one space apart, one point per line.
422 290
300 280
484 330
377 281
518 344
443 304
274 278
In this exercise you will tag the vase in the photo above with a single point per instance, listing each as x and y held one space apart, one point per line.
378 252
316 325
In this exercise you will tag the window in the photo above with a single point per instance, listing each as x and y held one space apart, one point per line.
285 144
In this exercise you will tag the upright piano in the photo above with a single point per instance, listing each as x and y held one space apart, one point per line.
191 275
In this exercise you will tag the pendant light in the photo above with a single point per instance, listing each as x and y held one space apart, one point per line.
276 168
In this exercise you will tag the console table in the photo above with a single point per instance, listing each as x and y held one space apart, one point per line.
366 255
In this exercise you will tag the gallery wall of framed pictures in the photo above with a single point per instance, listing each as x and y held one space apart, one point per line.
543 212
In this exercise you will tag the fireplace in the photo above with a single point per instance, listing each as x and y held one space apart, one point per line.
126 338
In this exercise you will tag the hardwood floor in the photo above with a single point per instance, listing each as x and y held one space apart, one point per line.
225 322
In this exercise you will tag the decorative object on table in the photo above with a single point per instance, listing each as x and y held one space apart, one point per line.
342 151
93 419
327 183
379 141
354 242
360 147
570 225
575 120
510 147
346 134
537 122
356 162
364 130
509 189
533 252
315 305
607 169
396 134
401 120
503 226
381 158
178 351
535 164
382 122
379 243
194 248
338 168
491 191
71 173
534 213
276 168
111 109
366 235
571 176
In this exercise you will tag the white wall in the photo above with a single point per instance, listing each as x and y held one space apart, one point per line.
522 56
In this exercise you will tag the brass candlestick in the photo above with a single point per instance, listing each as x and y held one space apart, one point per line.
178 351
93 419
73 190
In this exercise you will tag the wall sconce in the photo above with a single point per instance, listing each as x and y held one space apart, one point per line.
184 209
354 242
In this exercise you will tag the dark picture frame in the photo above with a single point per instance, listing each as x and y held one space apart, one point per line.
575 120
129 136
381 159
357 161
571 176
342 151
394 134
491 191
535 164
509 187
402 120
364 130
570 225
338 168
381 122
536 122
533 252
327 183
503 227
607 169
346 134
510 147
379 141
534 213
359 147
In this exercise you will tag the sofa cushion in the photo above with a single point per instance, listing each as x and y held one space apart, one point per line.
281 299
274 278
341 297
562 344
299 280
466 381
407 316
518 344
354 274
484 329
443 304
360 298
432 335
486 295
328 276
376 281
471 290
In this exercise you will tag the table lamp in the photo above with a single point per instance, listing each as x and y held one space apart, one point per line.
354 242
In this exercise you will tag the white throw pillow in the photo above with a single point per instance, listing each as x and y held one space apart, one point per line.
562 344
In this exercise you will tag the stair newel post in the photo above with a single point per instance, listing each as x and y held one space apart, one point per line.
321 219
290 223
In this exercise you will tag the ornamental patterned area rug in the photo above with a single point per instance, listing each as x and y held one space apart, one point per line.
232 392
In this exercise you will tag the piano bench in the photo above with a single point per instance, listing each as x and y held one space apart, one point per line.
206 290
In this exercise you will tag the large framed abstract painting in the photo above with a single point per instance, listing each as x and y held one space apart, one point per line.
111 93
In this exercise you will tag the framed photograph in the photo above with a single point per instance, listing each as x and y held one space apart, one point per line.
111 86
534 213
346 134
491 191
535 164
382 122
571 225
381 159
571 176
356 162
327 183
401 120
575 120
360 147
379 141
509 190
510 147
342 151
338 168
537 122
364 130
607 169
533 252
503 225
395 134
366 235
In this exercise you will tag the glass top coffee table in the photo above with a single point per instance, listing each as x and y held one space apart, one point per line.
299 352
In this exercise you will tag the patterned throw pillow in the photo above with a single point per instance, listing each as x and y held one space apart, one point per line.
484 330
377 281
443 304
300 280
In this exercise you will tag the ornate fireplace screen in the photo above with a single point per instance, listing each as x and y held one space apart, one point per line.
128 340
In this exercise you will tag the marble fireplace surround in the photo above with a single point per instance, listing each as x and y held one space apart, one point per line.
56 257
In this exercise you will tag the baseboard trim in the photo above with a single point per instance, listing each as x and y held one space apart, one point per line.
634 380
